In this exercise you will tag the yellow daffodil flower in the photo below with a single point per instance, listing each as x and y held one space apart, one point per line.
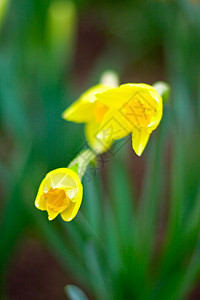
61 192
113 113
131 108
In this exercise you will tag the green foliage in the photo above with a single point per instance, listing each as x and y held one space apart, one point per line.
123 244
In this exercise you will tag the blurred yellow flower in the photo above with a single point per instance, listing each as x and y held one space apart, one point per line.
87 109
61 192
113 113
131 108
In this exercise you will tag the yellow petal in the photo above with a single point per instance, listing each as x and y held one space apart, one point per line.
114 97
99 143
62 178
157 116
82 110
139 140
120 96
52 214
69 213
79 112
114 125
40 201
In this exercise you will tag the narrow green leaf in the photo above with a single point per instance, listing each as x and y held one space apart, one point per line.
122 198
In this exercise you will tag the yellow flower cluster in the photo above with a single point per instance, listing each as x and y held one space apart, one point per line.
109 113
113 113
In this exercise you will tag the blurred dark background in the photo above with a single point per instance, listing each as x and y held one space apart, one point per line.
50 52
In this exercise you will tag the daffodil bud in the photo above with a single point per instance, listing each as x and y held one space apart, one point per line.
110 78
60 192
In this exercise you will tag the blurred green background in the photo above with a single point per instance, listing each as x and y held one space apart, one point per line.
137 233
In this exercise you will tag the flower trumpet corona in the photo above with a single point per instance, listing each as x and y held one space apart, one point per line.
131 108
61 192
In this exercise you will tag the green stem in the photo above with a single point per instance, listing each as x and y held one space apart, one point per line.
81 162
